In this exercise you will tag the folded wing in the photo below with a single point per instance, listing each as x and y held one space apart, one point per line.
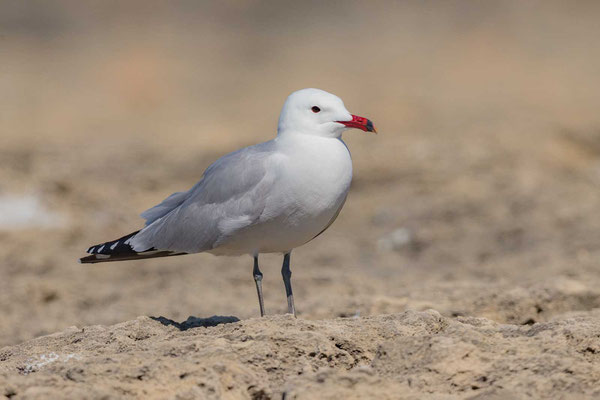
231 196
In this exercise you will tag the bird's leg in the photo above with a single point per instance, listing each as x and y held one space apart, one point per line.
286 272
258 280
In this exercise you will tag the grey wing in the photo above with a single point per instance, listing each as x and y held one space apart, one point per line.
165 207
230 196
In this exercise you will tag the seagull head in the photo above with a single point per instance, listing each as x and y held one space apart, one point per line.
317 112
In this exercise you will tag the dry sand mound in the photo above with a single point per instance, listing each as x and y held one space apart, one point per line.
407 355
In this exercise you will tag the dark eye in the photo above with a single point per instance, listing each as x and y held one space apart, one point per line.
315 109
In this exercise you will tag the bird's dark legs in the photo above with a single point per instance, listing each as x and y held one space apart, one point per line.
258 280
287 274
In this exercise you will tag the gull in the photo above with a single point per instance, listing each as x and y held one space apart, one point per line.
267 198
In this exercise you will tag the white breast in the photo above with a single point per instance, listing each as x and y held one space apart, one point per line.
318 172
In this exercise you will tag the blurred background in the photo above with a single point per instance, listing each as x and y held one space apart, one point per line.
478 197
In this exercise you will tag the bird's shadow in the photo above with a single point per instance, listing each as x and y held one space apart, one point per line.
195 322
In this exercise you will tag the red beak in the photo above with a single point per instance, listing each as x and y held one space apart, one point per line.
359 123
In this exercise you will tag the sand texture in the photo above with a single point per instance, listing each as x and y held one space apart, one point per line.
409 355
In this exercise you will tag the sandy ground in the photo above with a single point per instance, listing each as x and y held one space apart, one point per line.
478 199
410 355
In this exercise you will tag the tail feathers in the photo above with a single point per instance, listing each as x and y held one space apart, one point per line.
121 250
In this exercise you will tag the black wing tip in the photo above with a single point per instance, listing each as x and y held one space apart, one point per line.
121 250
100 258
120 246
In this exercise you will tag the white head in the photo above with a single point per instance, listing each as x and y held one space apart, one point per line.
316 112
